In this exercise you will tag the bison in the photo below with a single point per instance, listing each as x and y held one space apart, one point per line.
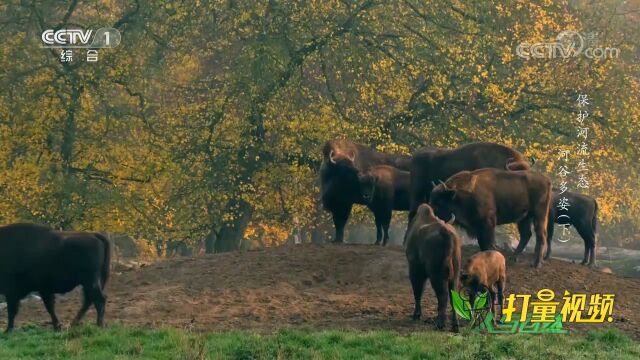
429 165
343 161
582 213
486 271
484 198
433 252
384 189
38 258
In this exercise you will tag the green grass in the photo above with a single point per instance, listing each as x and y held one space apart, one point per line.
119 342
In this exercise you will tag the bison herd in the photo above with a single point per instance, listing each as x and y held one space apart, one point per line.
475 187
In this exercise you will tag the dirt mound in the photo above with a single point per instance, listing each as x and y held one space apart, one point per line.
330 286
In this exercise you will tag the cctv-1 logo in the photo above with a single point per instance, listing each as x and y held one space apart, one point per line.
77 38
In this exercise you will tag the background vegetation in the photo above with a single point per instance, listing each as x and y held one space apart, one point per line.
206 123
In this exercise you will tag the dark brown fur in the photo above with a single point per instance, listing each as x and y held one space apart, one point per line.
433 252
485 198
343 161
486 271
38 258
582 213
430 165
384 189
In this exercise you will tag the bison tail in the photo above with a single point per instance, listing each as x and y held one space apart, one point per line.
106 264
594 222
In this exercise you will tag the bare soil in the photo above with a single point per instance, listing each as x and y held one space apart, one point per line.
314 286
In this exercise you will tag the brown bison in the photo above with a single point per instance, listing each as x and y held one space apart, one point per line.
429 165
343 161
484 198
486 271
38 258
581 212
384 189
433 252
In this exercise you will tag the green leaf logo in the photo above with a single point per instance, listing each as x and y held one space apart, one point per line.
480 301
461 305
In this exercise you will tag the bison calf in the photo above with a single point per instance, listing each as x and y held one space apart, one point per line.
485 198
433 252
384 189
486 271
38 258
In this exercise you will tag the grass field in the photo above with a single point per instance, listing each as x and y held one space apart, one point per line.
129 343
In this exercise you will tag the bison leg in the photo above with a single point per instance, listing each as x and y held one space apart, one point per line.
92 294
500 285
420 189
418 279
486 238
550 228
379 225
49 301
592 259
440 288
587 236
524 228
86 303
386 220
454 318
13 305
378 232
540 225
99 301
494 303
585 257
340 217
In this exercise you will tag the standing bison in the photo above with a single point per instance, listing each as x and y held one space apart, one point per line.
582 213
384 189
430 165
486 271
484 198
343 161
38 258
433 252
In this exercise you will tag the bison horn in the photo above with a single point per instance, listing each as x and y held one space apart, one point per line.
443 184
331 157
352 158
453 218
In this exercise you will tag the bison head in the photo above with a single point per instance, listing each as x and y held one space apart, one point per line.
426 215
367 187
340 153
448 201
337 157
442 200
471 287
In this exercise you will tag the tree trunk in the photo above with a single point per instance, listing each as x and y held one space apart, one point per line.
317 236
210 242
232 232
